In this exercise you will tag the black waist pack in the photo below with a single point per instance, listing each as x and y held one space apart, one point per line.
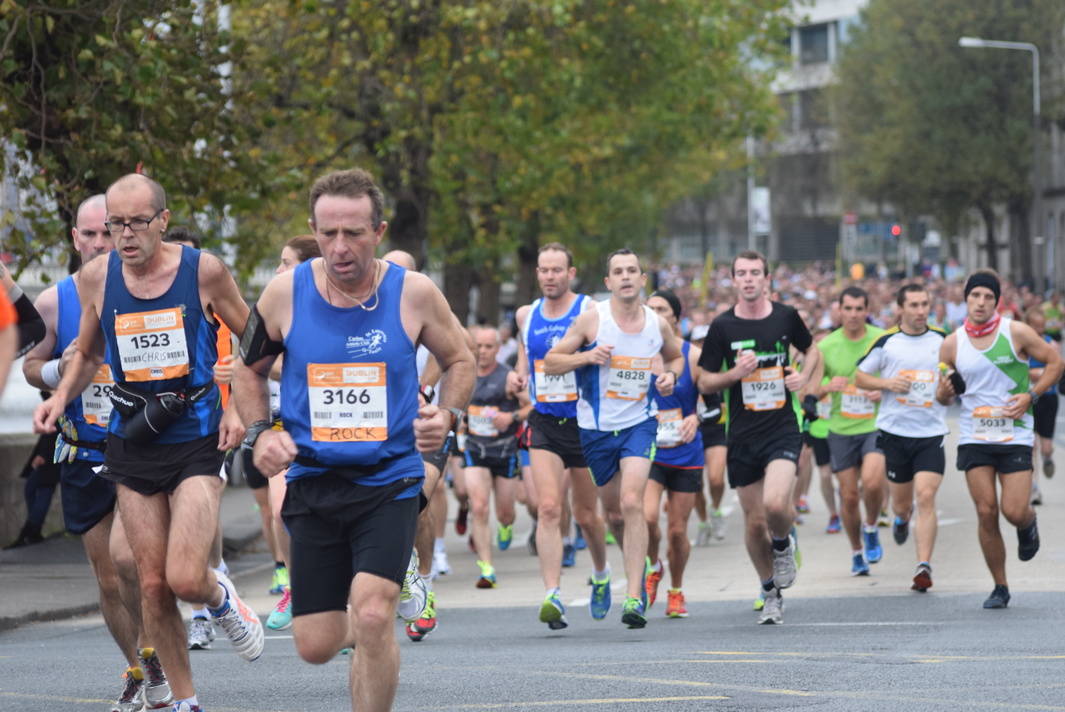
146 414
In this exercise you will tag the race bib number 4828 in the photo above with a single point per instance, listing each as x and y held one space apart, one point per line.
348 402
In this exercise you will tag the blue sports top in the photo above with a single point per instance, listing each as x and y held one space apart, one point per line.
671 410
164 344
551 395
349 386
1036 363
90 412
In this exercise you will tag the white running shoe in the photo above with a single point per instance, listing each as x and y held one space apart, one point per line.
157 693
784 568
414 594
717 524
240 623
773 610
441 566
702 536
201 633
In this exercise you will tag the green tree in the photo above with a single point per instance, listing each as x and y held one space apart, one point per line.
937 129
91 90
494 126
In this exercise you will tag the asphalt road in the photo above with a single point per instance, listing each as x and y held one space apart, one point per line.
865 643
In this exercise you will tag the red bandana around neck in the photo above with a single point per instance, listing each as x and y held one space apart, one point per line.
975 331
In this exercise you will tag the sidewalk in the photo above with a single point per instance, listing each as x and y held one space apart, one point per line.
52 580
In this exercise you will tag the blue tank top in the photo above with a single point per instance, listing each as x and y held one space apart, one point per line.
551 395
671 410
1035 363
93 428
349 384
163 344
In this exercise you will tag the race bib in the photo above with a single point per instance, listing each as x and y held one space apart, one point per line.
554 389
95 401
824 407
990 425
764 389
479 421
922 388
669 428
348 402
629 378
151 345
855 405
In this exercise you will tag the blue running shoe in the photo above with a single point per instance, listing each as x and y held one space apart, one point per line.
569 555
552 612
600 603
873 552
859 567
579 542
633 615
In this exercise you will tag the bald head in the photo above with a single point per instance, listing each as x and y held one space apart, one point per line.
95 202
135 181
402 258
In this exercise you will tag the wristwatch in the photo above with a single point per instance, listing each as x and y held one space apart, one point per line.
456 413
255 430
1033 396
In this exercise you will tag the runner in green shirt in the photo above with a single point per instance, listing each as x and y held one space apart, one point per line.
852 429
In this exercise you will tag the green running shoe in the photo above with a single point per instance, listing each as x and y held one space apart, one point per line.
552 612
504 535
633 614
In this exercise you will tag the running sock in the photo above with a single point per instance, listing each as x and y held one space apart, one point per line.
427 579
769 585
601 576
869 527
201 613
567 541
780 544
857 551
217 612
222 567
279 564
657 567
554 591
438 544
193 702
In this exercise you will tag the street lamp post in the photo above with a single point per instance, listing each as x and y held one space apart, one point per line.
1038 222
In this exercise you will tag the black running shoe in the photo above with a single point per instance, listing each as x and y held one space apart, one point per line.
1028 541
999 598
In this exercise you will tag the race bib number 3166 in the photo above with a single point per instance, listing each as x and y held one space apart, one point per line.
348 402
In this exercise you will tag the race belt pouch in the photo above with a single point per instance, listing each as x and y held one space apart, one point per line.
146 414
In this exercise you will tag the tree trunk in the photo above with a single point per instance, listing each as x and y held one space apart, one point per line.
457 281
488 281
1022 241
528 253
991 246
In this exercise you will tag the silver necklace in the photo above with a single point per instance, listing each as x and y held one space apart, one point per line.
376 295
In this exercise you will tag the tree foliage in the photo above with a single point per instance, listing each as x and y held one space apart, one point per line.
494 126
91 90
935 128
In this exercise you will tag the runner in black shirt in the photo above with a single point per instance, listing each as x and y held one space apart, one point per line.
752 341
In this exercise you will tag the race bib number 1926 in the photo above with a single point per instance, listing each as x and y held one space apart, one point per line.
763 389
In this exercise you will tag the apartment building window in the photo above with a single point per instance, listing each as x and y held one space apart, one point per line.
812 110
813 44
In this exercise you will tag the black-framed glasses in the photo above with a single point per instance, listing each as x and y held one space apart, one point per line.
117 228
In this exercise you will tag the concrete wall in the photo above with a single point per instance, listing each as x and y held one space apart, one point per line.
14 450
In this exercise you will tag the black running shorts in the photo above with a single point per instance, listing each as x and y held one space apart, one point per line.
339 529
905 457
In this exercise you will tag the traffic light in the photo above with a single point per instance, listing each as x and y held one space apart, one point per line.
896 230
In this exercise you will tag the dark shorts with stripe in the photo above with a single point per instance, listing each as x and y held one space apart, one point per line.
558 435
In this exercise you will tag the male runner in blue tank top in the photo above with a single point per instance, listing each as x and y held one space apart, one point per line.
555 453
611 348
88 499
990 354
354 426
149 308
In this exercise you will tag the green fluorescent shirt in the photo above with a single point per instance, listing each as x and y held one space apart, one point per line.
841 359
